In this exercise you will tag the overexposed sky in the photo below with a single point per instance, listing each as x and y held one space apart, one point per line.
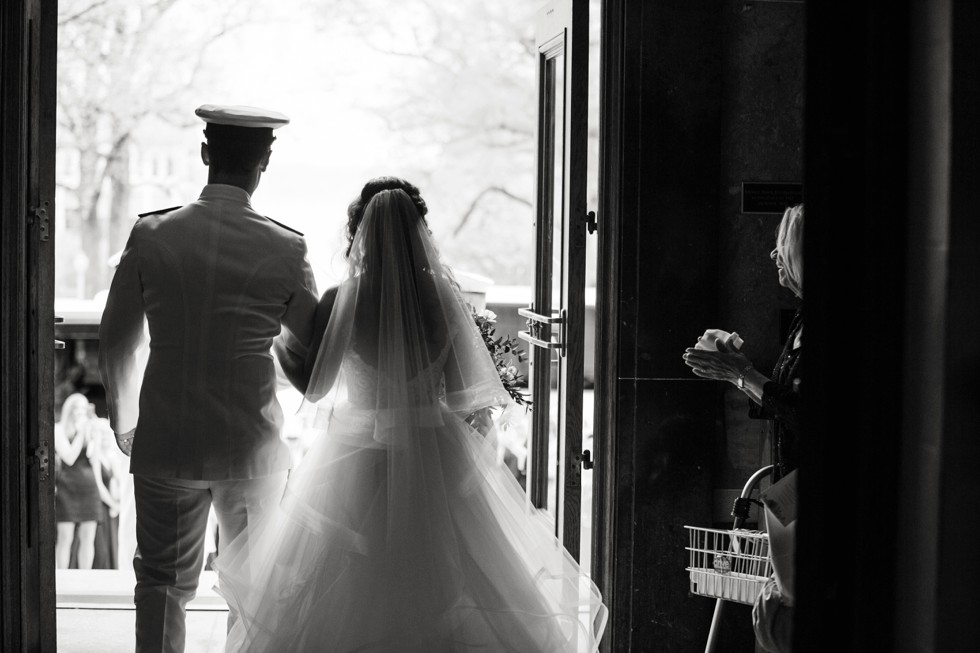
331 147
443 97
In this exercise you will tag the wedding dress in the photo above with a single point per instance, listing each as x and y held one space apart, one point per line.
399 531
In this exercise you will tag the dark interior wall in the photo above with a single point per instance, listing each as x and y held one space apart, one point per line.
761 141
667 270
712 96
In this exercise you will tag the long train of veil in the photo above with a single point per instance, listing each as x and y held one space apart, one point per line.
399 531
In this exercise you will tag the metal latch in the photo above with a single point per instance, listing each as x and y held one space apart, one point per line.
585 458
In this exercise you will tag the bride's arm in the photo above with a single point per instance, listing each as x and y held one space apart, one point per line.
324 309
296 359
291 347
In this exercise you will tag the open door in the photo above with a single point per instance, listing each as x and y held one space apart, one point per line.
28 34
556 318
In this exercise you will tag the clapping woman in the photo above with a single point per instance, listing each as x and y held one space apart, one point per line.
776 397
78 506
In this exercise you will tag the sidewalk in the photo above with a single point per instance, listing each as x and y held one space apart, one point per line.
96 615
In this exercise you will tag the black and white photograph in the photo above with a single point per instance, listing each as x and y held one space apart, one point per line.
455 326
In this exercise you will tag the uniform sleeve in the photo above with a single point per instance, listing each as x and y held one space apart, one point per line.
121 335
292 346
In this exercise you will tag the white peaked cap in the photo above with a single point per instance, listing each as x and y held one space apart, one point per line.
241 116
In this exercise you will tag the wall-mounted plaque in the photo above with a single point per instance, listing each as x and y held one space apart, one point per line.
770 196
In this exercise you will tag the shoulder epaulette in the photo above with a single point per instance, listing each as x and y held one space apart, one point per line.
283 226
160 212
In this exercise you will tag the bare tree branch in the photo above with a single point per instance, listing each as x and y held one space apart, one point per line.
107 162
479 197
78 15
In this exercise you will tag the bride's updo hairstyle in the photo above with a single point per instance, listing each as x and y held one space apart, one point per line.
355 211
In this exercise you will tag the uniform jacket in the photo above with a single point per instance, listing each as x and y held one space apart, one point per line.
215 282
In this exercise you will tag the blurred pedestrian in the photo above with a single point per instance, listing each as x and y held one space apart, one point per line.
78 506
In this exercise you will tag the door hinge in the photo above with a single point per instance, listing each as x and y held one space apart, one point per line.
590 222
41 456
39 214
585 458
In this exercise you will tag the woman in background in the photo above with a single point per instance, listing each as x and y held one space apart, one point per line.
777 398
78 505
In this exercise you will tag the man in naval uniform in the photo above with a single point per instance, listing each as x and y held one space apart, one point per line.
217 284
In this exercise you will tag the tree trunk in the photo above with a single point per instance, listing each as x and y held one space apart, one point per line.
119 211
85 262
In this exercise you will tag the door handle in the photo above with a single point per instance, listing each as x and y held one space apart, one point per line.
534 323
541 319
538 342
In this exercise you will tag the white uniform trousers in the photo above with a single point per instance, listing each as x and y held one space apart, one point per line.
171 521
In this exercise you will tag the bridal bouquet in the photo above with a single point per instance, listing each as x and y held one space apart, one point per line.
504 350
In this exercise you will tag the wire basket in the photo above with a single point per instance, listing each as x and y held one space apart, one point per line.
728 564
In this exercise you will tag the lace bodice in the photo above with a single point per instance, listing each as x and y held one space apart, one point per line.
364 384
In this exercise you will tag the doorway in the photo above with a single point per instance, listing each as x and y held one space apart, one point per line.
128 143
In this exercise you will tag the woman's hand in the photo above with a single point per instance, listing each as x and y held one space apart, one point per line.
725 364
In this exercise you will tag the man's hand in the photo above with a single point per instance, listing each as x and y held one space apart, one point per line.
125 441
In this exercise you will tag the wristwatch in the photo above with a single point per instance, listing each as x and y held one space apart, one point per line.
741 377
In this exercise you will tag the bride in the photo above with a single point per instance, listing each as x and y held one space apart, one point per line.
399 531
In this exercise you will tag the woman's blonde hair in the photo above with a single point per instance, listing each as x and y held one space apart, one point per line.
67 412
789 238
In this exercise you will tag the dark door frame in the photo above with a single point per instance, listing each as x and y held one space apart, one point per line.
888 518
28 69
605 420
